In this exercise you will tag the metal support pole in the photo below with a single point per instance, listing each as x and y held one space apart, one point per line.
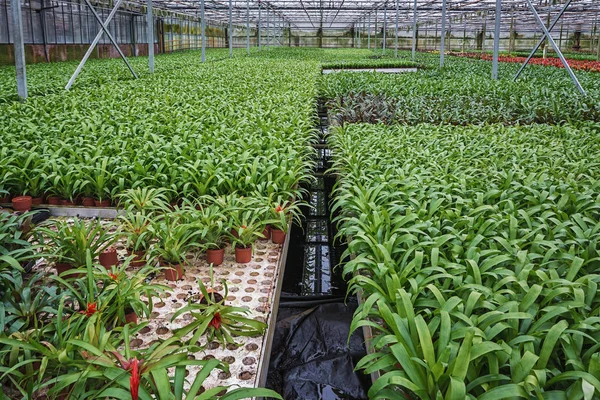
376 33
259 18
19 48
248 26
104 29
384 27
555 46
230 28
497 39
150 36
541 41
397 28
443 41
414 38
203 29
369 33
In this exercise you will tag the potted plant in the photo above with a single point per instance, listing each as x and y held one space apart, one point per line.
64 181
247 230
174 240
123 293
68 243
144 200
98 177
281 214
217 320
135 227
213 231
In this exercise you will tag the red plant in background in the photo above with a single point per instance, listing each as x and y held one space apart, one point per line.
91 309
583 65
215 322
134 380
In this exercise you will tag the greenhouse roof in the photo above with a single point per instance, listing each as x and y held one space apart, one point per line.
343 14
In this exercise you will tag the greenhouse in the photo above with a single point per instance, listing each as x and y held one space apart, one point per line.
349 199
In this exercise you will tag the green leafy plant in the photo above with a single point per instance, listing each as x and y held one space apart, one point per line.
69 241
217 320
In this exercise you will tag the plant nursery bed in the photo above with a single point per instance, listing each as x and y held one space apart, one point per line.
379 70
255 286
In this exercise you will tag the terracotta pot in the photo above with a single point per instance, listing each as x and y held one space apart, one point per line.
173 272
109 257
63 267
54 200
278 236
138 258
5 200
88 202
68 203
131 317
102 203
267 233
215 256
36 201
216 296
21 203
243 255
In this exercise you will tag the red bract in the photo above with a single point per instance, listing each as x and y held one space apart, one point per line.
112 276
216 321
279 209
591 66
134 380
90 310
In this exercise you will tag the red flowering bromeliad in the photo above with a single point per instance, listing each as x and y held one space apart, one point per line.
133 366
91 309
215 322
279 209
112 276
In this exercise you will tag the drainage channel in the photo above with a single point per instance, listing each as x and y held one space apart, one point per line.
311 357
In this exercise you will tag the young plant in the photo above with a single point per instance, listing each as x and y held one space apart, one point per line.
135 227
217 320
145 200
68 242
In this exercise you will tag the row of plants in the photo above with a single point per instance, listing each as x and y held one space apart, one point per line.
462 93
475 251
186 129
578 65
67 335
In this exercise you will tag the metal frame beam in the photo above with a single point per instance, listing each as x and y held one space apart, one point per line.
556 48
19 49
103 29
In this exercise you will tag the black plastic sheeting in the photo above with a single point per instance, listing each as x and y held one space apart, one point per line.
311 357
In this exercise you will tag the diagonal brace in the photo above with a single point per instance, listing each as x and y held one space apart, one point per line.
555 46
104 26
542 40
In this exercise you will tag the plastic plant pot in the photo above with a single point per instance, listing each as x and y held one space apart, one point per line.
173 272
215 256
62 267
277 236
67 203
267 233
88 202
109 257
102 203
5 200
212 293
54 200
243 255
138 258
130 317
21 203
36 201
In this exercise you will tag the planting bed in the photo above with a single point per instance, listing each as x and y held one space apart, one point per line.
254 286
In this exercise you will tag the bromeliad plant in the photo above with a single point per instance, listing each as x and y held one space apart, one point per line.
217 320
463 238
68 242
174 239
